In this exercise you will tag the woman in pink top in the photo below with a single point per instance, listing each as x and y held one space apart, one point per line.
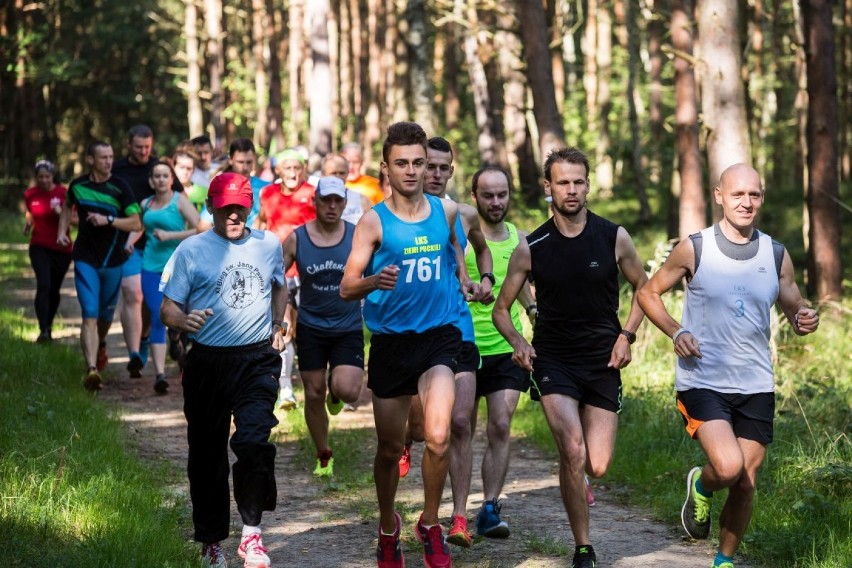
50 260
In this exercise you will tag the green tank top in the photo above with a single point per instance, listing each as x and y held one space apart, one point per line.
488 339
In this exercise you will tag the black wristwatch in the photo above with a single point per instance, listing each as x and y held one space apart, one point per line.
110 219
490 276
631 337
532 307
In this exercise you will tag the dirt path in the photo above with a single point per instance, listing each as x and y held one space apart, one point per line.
314 526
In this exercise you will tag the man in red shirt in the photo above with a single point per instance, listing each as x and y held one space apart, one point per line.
285 205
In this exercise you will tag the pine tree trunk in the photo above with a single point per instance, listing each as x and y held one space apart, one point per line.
260 41
296 17
193 70
275 112
632 95
603 54
215 64
418 49
823 189
479 85
320 101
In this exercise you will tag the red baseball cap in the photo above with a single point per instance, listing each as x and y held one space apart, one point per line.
230 189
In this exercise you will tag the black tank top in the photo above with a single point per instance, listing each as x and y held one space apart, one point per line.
576 287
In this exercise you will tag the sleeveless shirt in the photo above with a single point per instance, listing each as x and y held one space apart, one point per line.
167 218
576 285
425 294
488 339
464 321
727 307
321 270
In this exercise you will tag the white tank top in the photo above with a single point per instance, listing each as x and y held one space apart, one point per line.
728 308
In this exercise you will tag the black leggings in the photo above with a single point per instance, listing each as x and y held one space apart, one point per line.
50 267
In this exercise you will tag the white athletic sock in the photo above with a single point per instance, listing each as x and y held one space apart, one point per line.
248 531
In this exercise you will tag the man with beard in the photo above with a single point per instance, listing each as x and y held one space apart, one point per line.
578 345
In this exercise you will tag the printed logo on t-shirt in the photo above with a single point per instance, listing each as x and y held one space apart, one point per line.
239 285
594 264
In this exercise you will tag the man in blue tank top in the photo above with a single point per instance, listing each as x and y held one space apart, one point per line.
401 264
724 378
330 333
226 288
578 345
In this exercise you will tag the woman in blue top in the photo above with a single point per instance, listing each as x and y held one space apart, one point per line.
168 218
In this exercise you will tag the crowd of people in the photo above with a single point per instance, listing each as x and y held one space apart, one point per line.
234 270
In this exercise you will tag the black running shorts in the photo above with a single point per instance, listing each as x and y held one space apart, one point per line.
499 372
469 360
750 415
319 349
600 388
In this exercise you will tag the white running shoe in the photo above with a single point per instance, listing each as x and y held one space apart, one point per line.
251 549
286 399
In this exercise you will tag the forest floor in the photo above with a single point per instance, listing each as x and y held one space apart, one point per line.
315 526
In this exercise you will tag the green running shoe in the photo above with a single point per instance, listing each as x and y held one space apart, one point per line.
695 514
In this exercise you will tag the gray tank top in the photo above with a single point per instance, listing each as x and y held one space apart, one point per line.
321 270
727 308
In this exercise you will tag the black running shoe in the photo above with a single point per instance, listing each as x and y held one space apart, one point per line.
584 557
695 514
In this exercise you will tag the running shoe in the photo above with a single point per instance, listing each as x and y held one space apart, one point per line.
103 357
212 556
405 460
161 384
590 497
144 345
286 399
488 522
584 557
332 403
252 551
92 380
436 553
695 514
325 464
723 565
458 534
44 337
134 366
388 552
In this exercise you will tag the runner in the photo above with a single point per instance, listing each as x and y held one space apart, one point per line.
723 377
49 260
400 264
226 288
498 379
368 186
330 332
107 212
283 207
578 344
356 203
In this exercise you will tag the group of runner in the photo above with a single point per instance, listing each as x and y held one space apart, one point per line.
423 273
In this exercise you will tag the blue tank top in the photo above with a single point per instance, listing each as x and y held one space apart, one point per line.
464 320
321 270
425 294
168 218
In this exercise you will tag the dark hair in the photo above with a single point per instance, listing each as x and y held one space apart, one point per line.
165 162
241 145
332 156
440 144
570 155
90 150
45 165
403 134
139 131
475 182
201 141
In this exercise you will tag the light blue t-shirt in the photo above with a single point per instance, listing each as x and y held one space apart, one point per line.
233 278
425 296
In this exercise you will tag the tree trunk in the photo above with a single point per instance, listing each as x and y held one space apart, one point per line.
550 129
693 206
495 81
215 64
603 54
373 127
260 41
655 90
556 27
275 112
590 65
296 18
319 138
193 70
632 95
418 55
846 116
479 85
452 69
722 94
345 73
823 190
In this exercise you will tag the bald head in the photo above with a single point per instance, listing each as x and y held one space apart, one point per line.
740 175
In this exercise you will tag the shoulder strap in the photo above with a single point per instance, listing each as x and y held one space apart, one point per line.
778 253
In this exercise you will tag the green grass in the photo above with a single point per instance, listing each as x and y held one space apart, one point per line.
73 493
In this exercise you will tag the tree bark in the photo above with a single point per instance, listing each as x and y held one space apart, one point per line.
655 89
260 41
418 55
632 95
319 138
452 69
478 83
693 206
823 190
275 111
722 93
373 118
193 70
215 64
603 54
548 121
296 21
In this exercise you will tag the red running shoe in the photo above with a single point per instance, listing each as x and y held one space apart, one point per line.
436 553
458 534
388 553
405 461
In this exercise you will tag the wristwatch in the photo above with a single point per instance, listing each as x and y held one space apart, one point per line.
532 308
110 219
631 337
490 276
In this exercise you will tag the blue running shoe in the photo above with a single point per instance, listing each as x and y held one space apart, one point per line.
488 521
144 344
